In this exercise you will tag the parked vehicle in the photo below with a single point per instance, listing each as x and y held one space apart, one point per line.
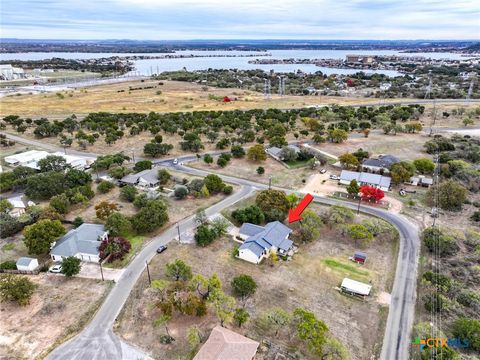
323 171
56 269
161 249
334 177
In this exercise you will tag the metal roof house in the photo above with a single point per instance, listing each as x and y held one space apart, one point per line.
31 158
382 163
20 205
353 287
363 178
82 242
146 178
261 241
27 264
223 344
276 152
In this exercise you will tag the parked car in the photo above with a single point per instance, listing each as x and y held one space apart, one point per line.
161 249
175 161
323 171
334 177
56 269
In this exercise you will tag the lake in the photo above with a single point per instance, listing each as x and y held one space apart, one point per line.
147 67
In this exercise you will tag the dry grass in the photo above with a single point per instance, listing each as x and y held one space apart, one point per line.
59 308
306 281
175 96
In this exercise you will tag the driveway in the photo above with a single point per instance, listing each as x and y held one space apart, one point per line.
92 271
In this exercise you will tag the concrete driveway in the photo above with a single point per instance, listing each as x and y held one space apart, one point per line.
92 271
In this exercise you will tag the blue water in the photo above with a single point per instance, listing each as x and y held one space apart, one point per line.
147 67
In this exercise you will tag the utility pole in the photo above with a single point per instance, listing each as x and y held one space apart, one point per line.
101 270
269 182
148 273
178 229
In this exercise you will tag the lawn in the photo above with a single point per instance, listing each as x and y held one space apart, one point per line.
346 269
295 164
136 241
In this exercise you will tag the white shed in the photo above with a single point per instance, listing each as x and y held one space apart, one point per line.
355 287
27 264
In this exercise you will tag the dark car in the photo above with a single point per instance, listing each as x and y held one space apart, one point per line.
161 249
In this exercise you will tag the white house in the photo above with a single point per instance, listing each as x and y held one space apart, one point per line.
8 72
261 241
31 158
363 178
82 242
27 264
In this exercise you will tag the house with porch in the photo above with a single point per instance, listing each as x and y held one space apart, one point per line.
82 242
145 179
261 241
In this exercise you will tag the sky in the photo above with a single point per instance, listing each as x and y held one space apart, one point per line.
240 19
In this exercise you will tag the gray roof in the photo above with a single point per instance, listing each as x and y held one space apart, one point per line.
274 151
149 175
273 234
24 261
83 239
365 178
383 161
250 229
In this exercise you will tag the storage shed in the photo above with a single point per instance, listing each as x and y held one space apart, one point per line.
353 287
27 264
360 257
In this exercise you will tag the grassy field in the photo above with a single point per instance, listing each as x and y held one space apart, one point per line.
172 96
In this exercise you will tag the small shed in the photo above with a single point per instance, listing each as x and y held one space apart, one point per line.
353 287
360 257
27 264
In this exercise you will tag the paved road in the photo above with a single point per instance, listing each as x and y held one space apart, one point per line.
396 341
97 340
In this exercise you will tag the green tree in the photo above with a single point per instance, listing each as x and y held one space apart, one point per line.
353 188
7 181
337 135
437 239
311 330
257 153
241 316
71 266
152 216
424 165
181 192
178 270
237 151
222 162
277 319
309 228
205 286
260 170
451 195
118 224
273 203
77 221
39 236
292 200
359 232
52 163
105 186
16 288
142 165
348 160
60 203
104 209
204 235
251 214
224 307
194 337
402 172
5 206
243 286
128 193
214 183
208 159
163 176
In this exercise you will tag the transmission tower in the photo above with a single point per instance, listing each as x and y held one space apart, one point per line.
281 85
267 89
428 93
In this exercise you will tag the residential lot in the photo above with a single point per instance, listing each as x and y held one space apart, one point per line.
58 310
309 281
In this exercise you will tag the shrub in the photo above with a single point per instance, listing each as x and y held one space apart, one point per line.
251 214
434 238
181 192
128 193
204 235
16 288
8 265
77 221
114 248
228 189
105 186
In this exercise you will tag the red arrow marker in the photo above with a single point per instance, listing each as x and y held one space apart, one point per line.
294 214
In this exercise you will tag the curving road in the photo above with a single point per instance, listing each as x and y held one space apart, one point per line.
97 340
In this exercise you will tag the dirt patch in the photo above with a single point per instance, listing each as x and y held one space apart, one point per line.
57 307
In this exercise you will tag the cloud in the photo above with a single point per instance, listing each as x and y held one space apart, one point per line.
253 19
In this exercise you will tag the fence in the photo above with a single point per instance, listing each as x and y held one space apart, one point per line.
23 272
